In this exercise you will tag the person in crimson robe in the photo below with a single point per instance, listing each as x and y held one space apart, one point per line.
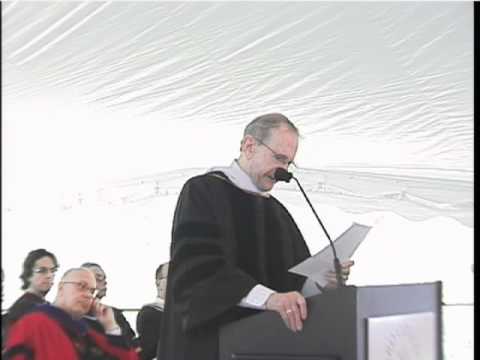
57 331
38 274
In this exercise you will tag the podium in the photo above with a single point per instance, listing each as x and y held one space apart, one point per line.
350 323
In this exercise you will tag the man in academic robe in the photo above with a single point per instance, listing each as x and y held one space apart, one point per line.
232 246
149 318
57 331
101 278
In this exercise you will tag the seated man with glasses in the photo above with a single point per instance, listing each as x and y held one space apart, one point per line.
58 331
232 245
38 273
122 321
149 318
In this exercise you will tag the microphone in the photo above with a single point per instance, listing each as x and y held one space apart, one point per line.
283 175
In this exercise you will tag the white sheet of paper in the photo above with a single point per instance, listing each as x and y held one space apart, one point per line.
317 266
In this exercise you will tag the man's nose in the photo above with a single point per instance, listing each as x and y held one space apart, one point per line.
87 297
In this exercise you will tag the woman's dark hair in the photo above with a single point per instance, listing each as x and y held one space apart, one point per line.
29 262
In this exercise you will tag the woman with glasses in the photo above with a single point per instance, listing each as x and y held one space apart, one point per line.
38 274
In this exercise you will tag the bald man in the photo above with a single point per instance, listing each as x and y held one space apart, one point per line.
57 331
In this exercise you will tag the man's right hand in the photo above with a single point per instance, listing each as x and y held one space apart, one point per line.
104 315
291 306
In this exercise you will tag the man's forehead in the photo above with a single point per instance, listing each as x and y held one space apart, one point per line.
284 139
80 275
283 130
281 135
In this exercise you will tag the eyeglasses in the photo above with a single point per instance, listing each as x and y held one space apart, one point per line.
45 270
282 159
82 286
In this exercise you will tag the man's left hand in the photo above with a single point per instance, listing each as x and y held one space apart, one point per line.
332 277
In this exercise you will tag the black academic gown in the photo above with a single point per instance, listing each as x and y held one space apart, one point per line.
224 241
149 323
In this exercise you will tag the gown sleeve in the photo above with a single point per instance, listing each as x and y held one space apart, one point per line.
204 277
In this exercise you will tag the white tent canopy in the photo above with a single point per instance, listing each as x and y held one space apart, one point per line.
382 92
108 107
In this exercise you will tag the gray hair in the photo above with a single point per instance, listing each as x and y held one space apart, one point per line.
90 265
158 271
260 127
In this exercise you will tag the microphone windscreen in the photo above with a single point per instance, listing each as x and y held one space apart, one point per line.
282 175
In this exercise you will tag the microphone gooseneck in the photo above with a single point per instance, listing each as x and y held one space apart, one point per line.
283 175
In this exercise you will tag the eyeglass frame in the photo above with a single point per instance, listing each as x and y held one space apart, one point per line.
81 285
44 270
281 158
